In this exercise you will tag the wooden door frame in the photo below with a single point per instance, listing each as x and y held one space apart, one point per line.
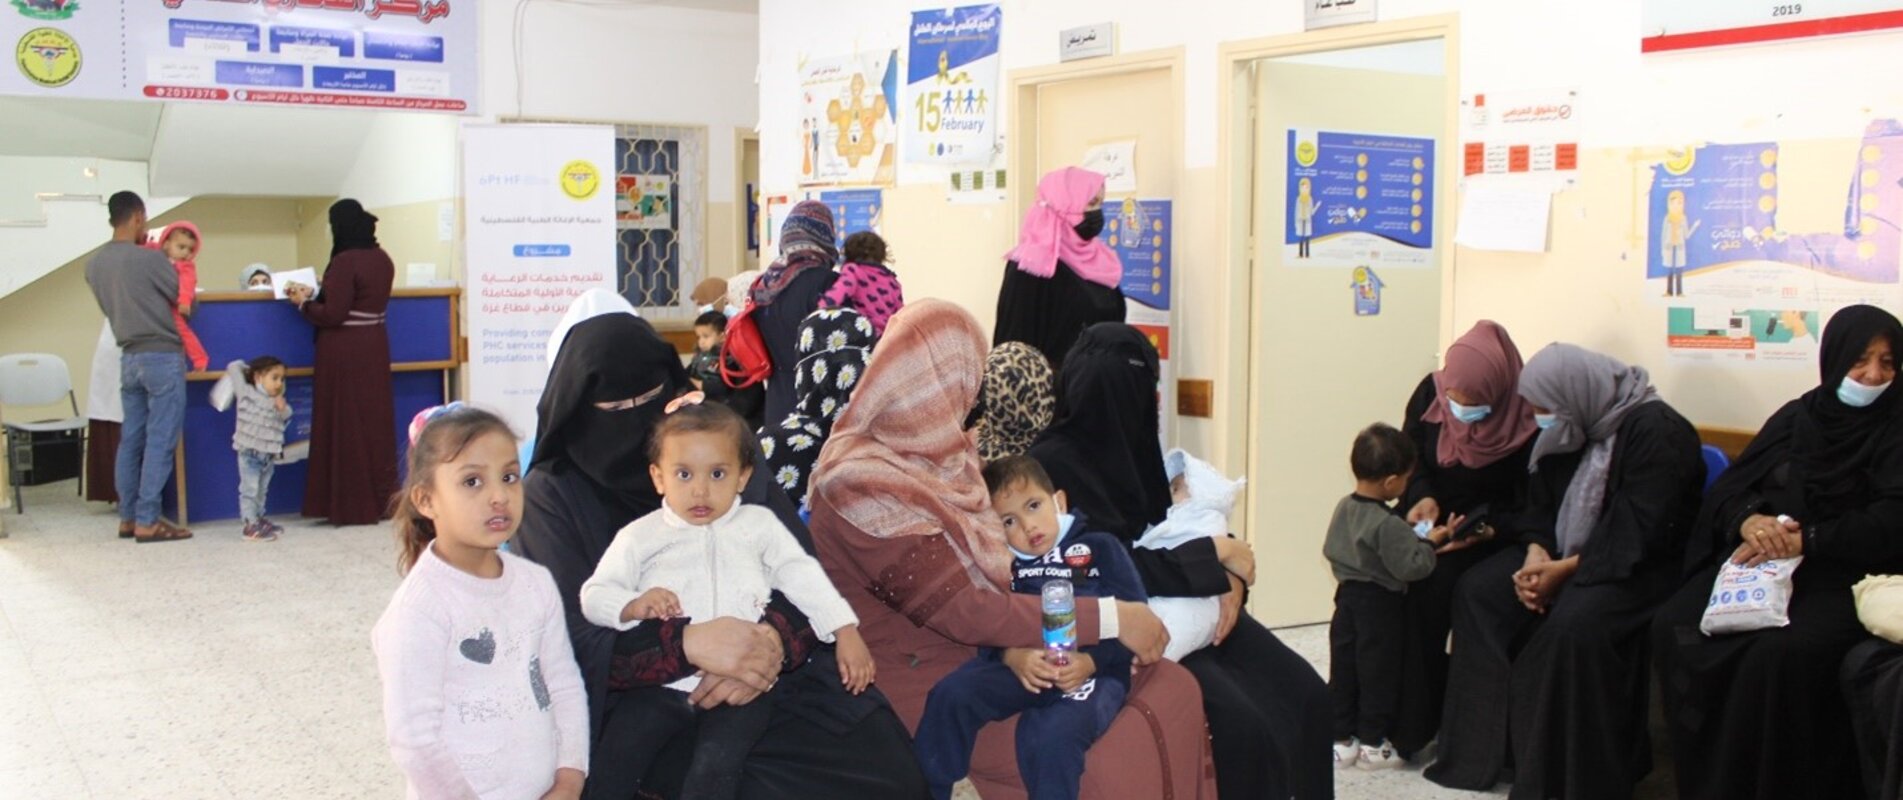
1236 167
740 197
1021 142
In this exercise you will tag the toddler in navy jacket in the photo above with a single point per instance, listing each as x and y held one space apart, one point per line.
1063 708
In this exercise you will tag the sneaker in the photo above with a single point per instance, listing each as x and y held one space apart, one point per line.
1381 756
259 532
270 526
1346 753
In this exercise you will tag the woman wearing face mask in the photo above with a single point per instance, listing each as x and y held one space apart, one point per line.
1475 436
1061 278
1550 637
1759 714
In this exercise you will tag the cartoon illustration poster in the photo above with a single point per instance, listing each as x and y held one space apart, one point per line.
1142 234
1747 335
849 119
1714 235
644 202
1359 199
854 210
951 85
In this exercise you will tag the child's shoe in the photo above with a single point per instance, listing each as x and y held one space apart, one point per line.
257 532
1346 753
273 527
1382 756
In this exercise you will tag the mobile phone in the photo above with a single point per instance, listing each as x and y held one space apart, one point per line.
1475 522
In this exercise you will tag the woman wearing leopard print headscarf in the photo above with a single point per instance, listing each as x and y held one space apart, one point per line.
1017 401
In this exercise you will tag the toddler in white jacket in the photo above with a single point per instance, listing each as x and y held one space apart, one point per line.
705 555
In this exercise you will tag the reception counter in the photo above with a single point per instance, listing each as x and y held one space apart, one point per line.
424 337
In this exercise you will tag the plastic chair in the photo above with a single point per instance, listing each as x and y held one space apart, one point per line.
1716 462
38 379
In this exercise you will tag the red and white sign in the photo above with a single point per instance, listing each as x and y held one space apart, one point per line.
1689 24
1524 131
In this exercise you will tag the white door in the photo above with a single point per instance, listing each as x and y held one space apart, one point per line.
1319 371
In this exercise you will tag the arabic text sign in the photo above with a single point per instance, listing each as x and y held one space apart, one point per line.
1686 24
1329 13
951 85
540 231
1087 41
1359 199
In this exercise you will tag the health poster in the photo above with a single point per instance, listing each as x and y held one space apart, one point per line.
413 55
849 120
1750 335
539 221
644 202
951 85
854 210
1714 237
1359 199
1142 234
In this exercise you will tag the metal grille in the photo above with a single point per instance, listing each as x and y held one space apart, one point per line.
658 260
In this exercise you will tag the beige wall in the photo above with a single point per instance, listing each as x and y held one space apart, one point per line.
57 314
407 232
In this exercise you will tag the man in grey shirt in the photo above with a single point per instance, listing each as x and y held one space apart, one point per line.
137 288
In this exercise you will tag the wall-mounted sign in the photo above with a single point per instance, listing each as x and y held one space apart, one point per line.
417 55
1688 24
1087 41
1329 13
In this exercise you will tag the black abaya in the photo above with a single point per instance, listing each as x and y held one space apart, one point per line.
1050 313
1573 714
780 328
1501 487
1873 685
1759 714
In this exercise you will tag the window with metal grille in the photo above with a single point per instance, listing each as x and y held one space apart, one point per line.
660 216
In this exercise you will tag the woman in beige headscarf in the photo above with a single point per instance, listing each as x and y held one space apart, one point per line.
903 525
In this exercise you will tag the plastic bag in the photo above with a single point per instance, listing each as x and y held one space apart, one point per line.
1750 598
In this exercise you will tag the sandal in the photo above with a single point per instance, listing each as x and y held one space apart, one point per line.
163 532
125 530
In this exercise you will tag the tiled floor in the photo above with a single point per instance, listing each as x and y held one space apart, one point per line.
217 668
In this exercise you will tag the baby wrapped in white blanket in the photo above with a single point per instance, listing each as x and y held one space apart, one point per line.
1203 498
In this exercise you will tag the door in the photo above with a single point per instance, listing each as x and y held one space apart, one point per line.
1321 366
1076 116
748 223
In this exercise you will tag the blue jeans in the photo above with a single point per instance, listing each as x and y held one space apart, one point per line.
1055 730
152 388
254 483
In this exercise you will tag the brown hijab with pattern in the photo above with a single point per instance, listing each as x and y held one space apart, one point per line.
899 462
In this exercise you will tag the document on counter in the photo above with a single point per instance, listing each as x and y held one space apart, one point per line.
279 280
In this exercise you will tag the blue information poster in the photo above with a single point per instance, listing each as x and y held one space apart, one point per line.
1139 232
854 210
951 85
1359 199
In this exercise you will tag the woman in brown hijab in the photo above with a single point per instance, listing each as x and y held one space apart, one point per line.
904 527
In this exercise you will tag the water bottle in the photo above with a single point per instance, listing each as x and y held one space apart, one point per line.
1060 622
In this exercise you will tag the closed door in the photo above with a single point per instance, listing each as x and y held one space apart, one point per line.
1321 367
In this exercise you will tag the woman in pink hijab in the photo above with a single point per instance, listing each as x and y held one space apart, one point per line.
1474 433
1061 279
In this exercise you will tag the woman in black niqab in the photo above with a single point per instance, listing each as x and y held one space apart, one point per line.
1759 714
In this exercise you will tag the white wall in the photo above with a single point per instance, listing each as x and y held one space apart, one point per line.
1823 89
39 237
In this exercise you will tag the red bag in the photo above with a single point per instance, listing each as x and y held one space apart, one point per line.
744 360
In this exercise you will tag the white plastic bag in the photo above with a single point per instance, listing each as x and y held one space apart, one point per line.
1880 605
1750 598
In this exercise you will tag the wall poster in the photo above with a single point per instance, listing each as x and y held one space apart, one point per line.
951 85
849 120
1359 199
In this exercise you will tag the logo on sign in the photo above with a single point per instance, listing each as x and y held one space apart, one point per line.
580 179
1305 153
46 9
48 57
1077 556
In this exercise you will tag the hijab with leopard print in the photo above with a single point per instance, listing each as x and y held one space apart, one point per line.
1018 400
900 463
834 346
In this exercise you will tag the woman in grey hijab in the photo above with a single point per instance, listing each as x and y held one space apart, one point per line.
1617 476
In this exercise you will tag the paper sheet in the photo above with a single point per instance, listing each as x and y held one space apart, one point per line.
306 276
1117 162
1504 218
419 274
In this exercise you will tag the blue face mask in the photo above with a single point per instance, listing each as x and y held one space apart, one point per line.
1545 420
1857 395
1468 414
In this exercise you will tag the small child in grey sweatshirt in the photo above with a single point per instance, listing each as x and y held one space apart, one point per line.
258 438
1374 555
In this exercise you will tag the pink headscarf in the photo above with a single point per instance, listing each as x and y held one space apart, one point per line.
1047 236
1484 364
